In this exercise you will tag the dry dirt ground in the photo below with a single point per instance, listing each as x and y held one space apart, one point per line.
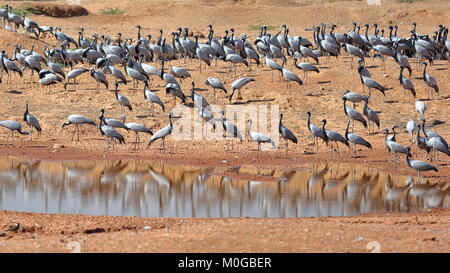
428 231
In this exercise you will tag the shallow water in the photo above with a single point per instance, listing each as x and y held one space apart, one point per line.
158 189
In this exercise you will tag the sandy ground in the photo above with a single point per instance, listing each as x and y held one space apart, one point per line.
428 231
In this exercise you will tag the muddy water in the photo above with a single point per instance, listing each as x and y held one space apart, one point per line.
158 189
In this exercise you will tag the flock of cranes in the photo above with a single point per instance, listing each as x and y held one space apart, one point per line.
125 60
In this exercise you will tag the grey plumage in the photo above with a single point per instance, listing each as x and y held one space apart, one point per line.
290 76
77 120
356 139
370 114
286 133
110 133
334 136
259 137
162 133
73 74
215 83
429 80
420 108
121 99
31 121
13 126
237 85
176 91
420 166
353 114
406 83
99 77
111 121
153 98
316 131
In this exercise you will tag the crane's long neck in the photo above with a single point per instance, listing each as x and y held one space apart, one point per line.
418 134
210 35
408 161
280 123
145 87
345 107
102 121
170 121
315 37
423 129
26 112
309 122
393 133
401 75
346 130
424 70
324 133
249 128
3 62
365 109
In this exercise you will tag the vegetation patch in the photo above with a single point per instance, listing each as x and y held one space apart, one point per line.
113 11
259 26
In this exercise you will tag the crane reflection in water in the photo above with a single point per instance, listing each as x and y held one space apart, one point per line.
159 189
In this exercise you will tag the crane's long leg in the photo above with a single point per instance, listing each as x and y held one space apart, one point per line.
286 151
73 134
78 133
152 109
